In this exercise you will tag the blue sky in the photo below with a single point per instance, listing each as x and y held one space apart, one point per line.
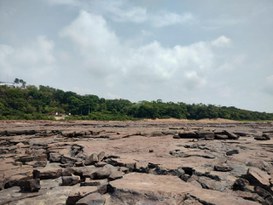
209 51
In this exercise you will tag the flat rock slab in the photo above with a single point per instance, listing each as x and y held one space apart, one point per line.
156 189
258 176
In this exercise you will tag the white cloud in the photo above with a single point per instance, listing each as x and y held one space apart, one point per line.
167 19
32 60
90 31
121 13
104 55
222 41
98 46
134 14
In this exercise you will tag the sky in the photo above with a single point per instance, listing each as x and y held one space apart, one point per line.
211 51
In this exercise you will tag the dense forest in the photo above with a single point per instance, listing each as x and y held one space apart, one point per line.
19 101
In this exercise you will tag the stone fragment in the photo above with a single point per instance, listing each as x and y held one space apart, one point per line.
70 180
14 180
101 155
92 159
115 174
241 184
54 157
68 160
232 152
92 199
78 193
222 168
188 135
103 172
50 173
231 135
36 164
221 137
93 182
30 185
76 150
258 177
262 137
208 183
206 135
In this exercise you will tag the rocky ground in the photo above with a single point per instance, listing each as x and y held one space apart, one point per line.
136 162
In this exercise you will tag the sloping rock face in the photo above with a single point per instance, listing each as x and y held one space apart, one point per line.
143 162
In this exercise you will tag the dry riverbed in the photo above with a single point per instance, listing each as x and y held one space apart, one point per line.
136 162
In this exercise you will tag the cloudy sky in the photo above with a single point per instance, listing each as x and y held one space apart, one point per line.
210 51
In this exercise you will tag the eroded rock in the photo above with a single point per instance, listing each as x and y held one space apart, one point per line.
70 180
94 199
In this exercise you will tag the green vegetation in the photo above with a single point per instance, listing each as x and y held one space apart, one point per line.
31 102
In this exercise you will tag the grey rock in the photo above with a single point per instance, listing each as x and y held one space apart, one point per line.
49 173
76 150
92 199
79 193
231 135
101 155
262 137
92 159
115 174
68 160
232 152
92 182
70 180
206 135
54 157
222 168
221 137
258 177
103 172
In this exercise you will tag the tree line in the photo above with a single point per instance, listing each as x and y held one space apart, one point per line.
43 102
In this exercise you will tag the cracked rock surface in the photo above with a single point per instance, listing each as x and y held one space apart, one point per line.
136 162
